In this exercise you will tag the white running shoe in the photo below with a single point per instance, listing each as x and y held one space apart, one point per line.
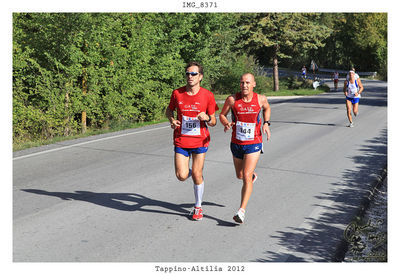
239 217
351 125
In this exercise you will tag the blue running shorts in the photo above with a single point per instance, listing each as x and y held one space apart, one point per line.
353 100
188 151
238 151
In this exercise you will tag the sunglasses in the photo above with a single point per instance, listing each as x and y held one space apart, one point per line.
192 73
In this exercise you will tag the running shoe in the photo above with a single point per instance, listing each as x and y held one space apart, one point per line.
239 217
197 214
351 125
254 177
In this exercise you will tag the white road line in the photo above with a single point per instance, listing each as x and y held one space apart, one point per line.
87 142
91 141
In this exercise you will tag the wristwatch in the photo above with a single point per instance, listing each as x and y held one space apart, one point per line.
209 118
269 123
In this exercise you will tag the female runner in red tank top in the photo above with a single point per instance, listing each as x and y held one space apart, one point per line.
247 128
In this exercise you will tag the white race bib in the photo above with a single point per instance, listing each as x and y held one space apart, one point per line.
245 131
190 126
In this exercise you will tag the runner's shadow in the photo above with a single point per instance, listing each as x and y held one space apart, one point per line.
130 202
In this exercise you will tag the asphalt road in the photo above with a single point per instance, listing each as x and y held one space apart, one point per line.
115 198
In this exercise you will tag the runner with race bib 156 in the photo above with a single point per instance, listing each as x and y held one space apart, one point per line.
196 108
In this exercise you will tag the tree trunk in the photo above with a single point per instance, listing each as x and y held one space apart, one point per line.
67 118
275 68
84 90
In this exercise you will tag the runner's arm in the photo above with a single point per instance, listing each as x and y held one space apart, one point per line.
266 115
360 85
213 120
170 115
345 88
229 102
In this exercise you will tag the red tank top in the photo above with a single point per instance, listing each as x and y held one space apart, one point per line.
247 118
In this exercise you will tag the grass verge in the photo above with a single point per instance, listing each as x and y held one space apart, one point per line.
89 132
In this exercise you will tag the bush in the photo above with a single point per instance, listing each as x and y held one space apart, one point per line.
295 83
264 84
228 83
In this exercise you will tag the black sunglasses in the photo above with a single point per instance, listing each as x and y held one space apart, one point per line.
192 73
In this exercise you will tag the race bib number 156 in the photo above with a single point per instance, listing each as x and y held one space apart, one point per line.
190 126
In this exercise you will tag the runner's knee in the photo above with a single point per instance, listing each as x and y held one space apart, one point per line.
249 175
181 176
239 175
197 176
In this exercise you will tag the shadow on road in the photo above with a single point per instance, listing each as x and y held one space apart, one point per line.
130 202
306 123
320 239
372 96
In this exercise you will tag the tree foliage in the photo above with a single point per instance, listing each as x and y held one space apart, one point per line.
283 35
357 39
118 67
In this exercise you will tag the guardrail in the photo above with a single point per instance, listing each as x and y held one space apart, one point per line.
267 71
373 74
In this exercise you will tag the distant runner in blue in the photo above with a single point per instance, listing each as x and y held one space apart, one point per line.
352 89
304 72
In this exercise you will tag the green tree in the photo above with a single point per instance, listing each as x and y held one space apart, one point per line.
357 39
282 35
366 35
211 41
78 70
41 79
110 67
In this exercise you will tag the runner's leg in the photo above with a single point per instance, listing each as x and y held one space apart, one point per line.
197 167
238 163
249 165
355 109
181 166
348 107
197 176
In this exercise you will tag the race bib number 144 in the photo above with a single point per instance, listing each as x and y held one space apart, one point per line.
245 130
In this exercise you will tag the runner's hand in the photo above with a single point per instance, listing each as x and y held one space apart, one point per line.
228 126
175 124
266 130
203 116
